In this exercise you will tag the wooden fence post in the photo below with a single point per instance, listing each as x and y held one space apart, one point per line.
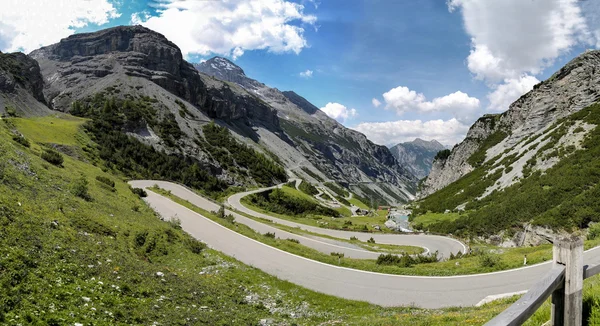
567 301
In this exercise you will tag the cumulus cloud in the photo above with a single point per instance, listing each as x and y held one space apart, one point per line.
231 27
515 37
390 133
376 102
28 25
503 95
338 111
402 99
306 74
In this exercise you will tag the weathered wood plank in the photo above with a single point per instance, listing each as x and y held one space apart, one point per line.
521 310
568 310
589 271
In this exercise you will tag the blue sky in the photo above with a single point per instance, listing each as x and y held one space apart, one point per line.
394 70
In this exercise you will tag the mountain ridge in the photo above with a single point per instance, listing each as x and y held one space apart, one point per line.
417 155
344 155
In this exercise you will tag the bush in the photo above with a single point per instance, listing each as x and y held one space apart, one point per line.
140 192
194 245
270 235
489 260
406 260
10 111
21 140
53 157
353 238
293 240
594 231
80 189
106 181
371 240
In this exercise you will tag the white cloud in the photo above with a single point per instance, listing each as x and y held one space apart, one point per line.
231 27
28 25
515 37
459 104
376 103
389 133
338 111
505 94
306 74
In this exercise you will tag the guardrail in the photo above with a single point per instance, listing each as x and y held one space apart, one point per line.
564 283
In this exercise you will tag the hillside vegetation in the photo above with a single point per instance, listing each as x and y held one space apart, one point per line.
564 196
108 259
111 119
283 201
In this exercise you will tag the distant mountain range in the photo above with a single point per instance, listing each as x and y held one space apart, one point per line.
417 156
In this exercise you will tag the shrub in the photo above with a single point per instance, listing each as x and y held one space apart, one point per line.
270 235
10 111
53 157
106 181
594 231
293 240
140 192
80 189
353 238
371 240
175 222
21 140
406 260
489 260
194 245
443 154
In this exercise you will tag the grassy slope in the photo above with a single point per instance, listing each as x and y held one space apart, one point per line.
65 260
358 203
89 267
564 196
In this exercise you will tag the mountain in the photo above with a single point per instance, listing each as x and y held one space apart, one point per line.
21 85
417 156
322 148
132 81
535 163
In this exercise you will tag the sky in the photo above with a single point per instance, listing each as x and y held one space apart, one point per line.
394 70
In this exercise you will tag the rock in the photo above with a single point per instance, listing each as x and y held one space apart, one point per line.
320 144
572 88
417 156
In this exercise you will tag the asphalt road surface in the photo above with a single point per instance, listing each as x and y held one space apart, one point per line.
376 288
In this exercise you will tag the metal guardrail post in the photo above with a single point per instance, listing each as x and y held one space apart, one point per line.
567 301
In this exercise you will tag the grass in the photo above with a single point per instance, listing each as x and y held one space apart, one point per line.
55 129
431 218
358 203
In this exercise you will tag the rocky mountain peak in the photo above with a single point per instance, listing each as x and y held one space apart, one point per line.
417 155
433 144
224 69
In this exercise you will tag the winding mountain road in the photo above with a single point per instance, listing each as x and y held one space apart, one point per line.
381 289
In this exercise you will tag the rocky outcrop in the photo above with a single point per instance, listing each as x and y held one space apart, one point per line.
572 88
83 64
417 156
22 84
322 145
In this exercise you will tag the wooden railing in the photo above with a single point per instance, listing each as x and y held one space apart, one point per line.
564 283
